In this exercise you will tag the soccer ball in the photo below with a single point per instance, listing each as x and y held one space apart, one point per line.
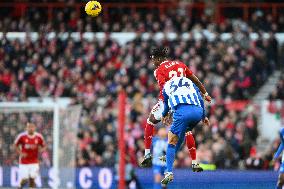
93 8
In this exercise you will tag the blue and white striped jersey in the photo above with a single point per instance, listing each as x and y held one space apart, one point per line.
181 90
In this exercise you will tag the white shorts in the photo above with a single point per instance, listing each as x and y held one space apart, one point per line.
28 170
158 109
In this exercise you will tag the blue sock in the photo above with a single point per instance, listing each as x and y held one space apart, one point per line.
170 157
157 185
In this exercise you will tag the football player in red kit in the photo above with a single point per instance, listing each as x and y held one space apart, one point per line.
165 70
28 144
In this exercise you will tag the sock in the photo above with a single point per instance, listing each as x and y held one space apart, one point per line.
170 157
148 135
147 151
190 143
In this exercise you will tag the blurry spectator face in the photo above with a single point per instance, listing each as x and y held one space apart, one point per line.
31 128
162 133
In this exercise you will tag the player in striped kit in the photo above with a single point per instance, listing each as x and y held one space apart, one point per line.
184 99
280 182
165 70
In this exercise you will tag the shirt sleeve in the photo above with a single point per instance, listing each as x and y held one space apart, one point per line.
166 106
188 72
18 140
161 79
41 141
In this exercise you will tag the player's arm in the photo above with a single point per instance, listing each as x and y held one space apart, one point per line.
197 82
42 145
201 102
166 106
17 148
161 79
280 148
204 118
42 148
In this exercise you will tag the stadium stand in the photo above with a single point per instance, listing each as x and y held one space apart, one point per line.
91 72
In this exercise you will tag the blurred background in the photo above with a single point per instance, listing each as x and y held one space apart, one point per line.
51 49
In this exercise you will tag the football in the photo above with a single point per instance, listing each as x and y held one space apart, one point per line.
93 8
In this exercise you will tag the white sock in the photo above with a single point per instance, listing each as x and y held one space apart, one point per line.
147 151
194 162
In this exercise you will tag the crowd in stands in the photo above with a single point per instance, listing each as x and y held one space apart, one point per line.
126 19
91 72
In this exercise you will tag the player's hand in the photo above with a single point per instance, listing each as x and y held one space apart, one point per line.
273 161
206 121
167 120
22 154
207 97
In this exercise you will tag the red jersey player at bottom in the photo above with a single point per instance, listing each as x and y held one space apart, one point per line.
28 144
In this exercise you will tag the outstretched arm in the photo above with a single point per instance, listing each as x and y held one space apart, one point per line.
200 86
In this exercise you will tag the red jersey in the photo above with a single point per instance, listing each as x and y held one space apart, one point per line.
169 69
29 146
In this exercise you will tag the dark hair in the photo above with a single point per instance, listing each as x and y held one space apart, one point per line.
159 52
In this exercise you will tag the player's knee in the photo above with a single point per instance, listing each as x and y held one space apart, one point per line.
32 182
172 138
23 182
152 119
150 122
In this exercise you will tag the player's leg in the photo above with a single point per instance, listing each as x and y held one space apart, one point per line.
177 129
24 175
280 182
157 170
33 174
23 182
149 130
32 182
154 118
190 143
170 157
185 116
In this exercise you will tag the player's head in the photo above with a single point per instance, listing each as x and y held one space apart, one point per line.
162 132
158 55
30 127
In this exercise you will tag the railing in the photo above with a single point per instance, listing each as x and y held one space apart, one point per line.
195 9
